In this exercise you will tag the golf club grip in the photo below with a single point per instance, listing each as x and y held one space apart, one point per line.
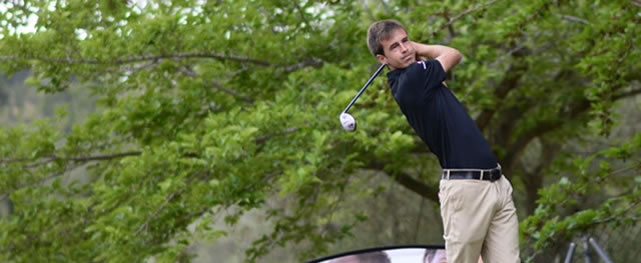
360 92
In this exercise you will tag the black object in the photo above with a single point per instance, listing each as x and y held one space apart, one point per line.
588 241
487 175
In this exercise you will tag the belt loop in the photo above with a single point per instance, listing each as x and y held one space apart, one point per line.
447 176
482 173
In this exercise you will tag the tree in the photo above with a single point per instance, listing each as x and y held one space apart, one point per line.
207 106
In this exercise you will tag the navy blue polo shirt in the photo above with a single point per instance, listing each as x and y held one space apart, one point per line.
438 118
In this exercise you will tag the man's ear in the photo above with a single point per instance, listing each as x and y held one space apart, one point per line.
381 59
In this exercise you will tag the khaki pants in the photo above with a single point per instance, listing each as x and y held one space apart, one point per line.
479 218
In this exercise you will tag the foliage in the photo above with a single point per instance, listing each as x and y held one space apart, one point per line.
210 108
558 217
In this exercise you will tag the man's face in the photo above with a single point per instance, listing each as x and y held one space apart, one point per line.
399 51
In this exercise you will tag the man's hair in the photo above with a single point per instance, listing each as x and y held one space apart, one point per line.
373 257
430 254
380 31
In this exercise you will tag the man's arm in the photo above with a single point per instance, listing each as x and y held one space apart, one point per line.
448 56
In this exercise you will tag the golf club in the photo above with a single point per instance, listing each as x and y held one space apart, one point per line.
347 120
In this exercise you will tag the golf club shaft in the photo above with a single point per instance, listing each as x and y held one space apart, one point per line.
380 69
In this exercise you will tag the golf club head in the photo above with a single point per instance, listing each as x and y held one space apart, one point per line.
348 122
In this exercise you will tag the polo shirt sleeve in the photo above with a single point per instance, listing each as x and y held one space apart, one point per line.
428 72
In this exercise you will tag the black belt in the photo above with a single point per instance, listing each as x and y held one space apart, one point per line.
488 175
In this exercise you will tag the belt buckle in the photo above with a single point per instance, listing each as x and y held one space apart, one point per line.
495 178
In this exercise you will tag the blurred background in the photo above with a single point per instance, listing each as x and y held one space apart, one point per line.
207 131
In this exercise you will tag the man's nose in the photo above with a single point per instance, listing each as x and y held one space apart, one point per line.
403 48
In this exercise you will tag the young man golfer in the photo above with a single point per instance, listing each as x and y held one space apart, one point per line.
479 217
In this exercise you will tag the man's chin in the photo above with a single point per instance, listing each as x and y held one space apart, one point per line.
402 65
411 60
409 63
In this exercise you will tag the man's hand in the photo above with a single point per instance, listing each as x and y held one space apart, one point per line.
448 56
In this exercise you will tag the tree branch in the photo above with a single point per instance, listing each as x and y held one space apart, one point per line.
301 13
264 139
17 160
509 119
129 60
450 29
626 94
551 125
259 141
315 63
233 93
424 190
216 85
407 181
574 19
508 84
104 157
107 157
155 213
533 180
53 158
464 13
543 128
85 159
135 69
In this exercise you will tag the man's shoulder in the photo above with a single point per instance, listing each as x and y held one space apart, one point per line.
423 65
415 72
417 68
412 73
